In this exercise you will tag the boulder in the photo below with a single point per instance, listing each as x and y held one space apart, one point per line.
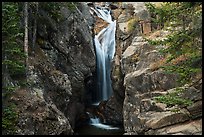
187 128
154 120
195 109
112 111
36 116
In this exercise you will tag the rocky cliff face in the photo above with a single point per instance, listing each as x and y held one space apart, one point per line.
142 82
61 77
141 112
137 81
61 69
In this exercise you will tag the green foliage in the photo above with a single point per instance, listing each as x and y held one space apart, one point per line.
10 88
184 21
159 15
9 119
71 6
25 83
173 99
13 55
132 24
52 8
14 66
185 73
7 91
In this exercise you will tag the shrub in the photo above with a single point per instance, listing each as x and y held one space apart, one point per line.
131 24
172 99
9 119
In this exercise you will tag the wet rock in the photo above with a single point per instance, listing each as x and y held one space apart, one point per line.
130 133
99 25
112 111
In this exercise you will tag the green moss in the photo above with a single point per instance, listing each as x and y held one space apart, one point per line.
173 99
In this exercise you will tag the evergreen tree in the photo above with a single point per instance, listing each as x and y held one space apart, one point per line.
12 37
183 46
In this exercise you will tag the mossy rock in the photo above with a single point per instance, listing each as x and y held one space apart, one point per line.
132 24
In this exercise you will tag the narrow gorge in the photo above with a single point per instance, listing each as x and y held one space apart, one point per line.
101 68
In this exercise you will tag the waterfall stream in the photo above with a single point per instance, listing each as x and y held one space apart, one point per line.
105 50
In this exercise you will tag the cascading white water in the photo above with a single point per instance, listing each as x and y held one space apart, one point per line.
96 122
105 50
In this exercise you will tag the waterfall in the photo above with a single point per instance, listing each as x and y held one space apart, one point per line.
105 50
94 120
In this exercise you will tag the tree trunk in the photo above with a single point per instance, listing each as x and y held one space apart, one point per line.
35 29
184 21
26 35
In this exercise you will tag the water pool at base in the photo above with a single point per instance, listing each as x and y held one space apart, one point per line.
98 129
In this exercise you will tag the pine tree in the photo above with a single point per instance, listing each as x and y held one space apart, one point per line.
183 45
